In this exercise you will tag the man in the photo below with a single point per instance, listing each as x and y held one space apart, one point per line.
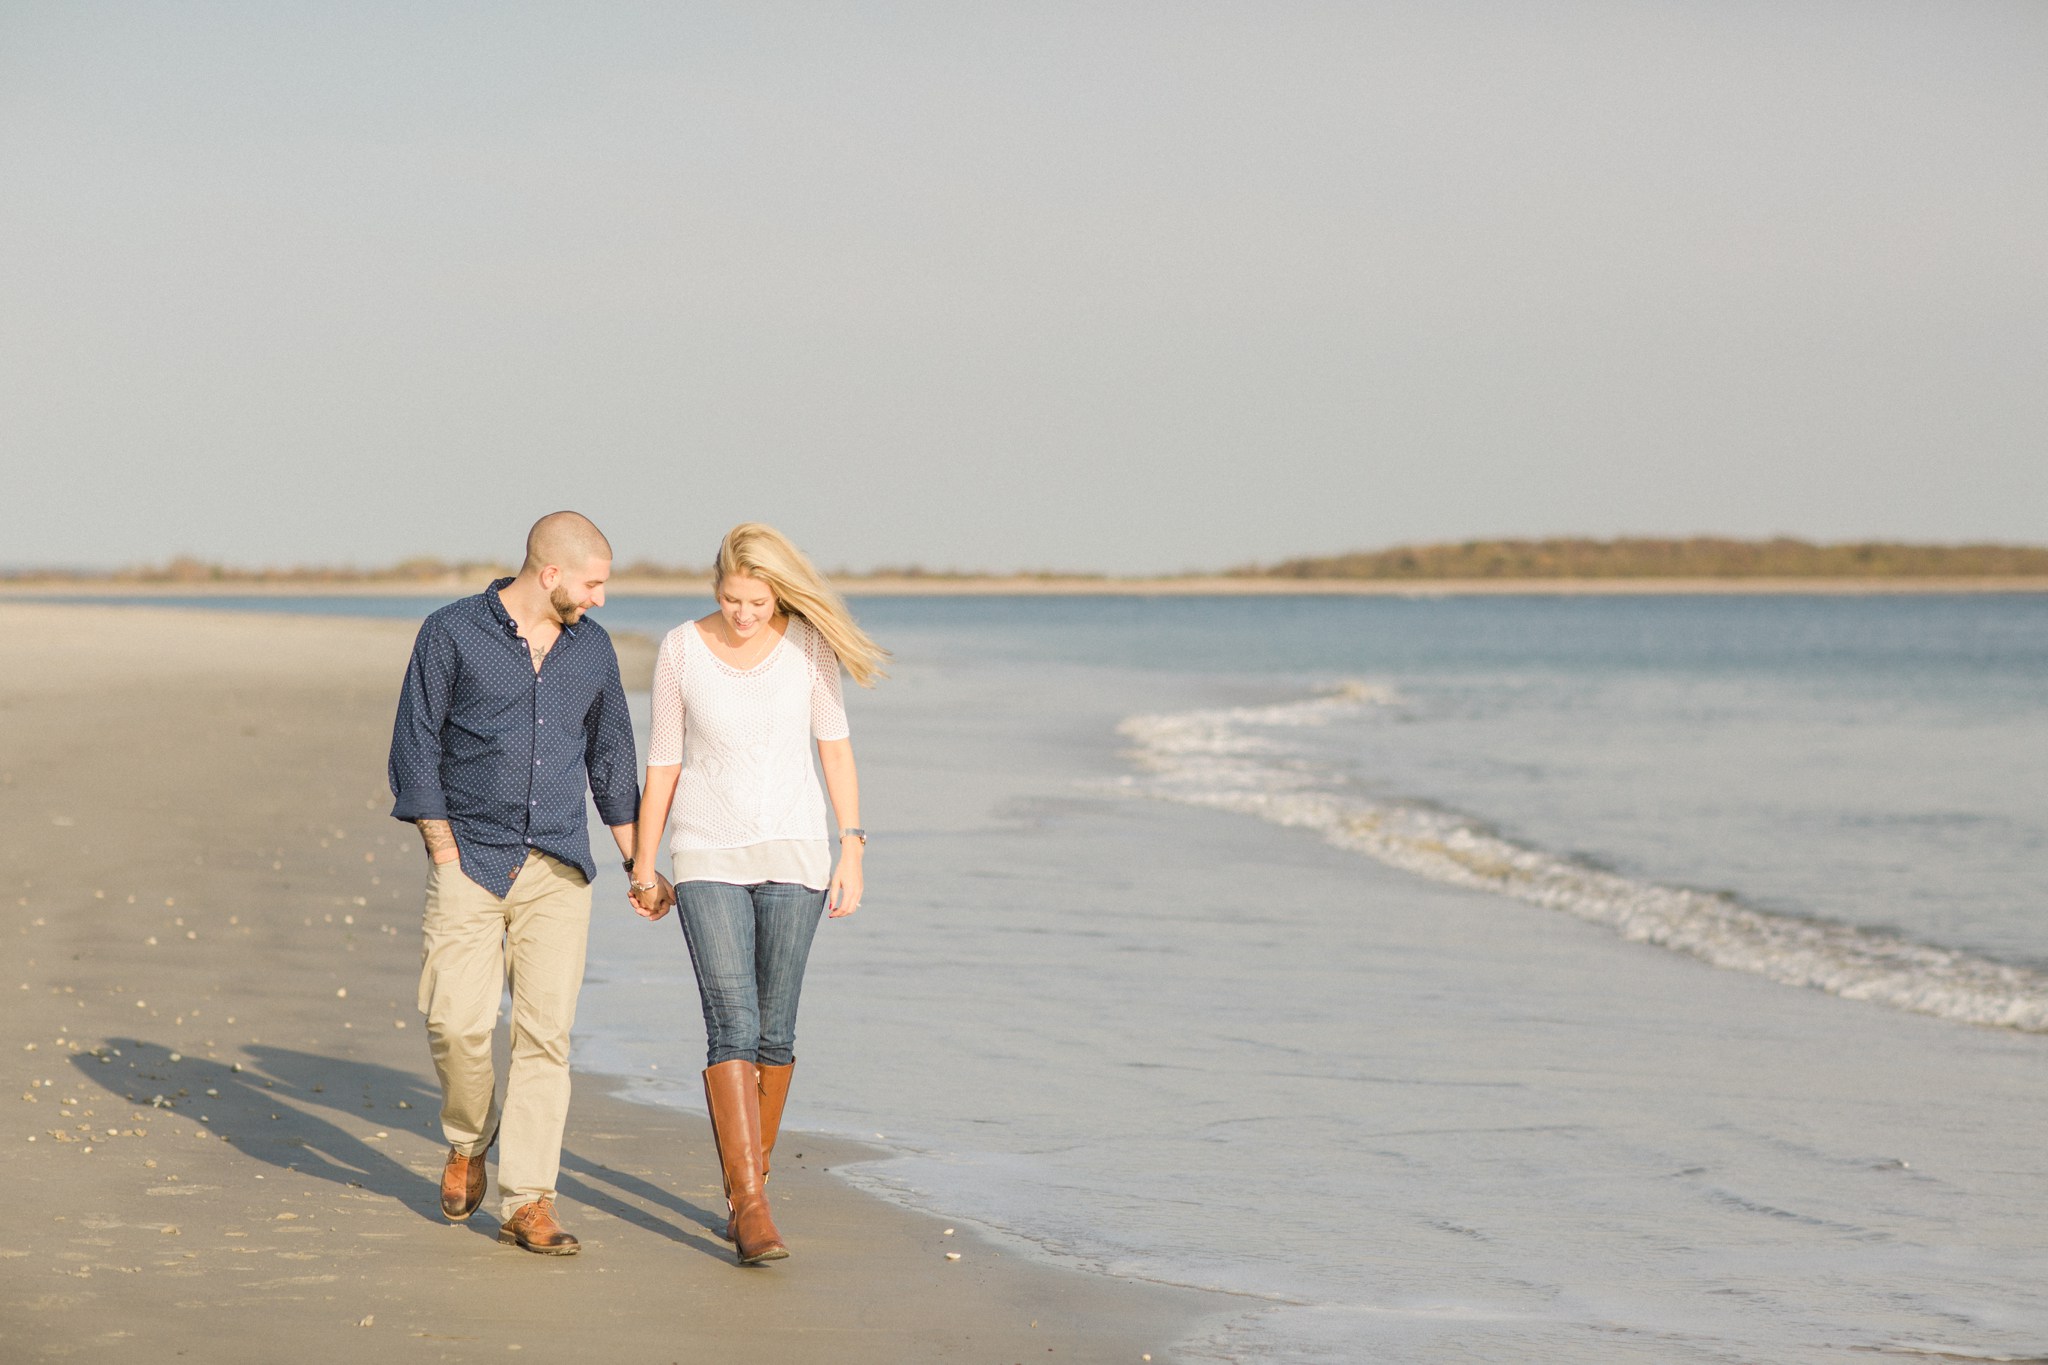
512 702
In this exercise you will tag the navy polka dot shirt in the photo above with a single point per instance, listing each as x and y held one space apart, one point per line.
502 751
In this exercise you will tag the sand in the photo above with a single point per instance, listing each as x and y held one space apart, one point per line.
218 1098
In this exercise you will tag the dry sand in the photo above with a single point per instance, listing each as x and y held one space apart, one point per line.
219 1105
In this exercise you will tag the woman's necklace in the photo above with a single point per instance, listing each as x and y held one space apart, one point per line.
733 647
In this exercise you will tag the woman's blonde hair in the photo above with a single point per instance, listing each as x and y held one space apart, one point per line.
753 550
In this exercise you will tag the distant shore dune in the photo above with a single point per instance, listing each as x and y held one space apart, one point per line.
1697 557
1559 565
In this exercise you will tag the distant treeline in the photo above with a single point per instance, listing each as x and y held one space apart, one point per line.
422 569
425 569
185 569
972 575
1698 557
1563 558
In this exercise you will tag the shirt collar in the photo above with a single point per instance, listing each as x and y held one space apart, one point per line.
496 604
497 608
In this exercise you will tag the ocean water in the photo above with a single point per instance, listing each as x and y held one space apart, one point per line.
1655 979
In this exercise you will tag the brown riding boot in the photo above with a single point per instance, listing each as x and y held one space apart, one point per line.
732 1093
532 1227
774 1094
462 1182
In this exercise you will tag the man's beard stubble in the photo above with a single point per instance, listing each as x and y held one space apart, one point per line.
566 610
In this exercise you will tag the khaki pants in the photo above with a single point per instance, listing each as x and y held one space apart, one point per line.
476 944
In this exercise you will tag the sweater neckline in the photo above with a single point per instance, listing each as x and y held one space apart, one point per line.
734 669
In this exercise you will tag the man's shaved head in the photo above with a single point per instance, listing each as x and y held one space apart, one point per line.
567 540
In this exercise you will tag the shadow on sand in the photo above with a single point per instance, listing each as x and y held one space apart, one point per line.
277 1109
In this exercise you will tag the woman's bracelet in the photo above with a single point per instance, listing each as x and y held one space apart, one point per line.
851 833
641 886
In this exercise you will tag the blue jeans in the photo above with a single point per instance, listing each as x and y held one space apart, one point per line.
749 945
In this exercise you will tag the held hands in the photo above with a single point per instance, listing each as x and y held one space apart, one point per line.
655 901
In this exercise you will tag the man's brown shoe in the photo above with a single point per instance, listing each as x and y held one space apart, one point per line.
532 1227
462 1184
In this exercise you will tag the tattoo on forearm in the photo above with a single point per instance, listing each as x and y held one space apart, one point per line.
437 836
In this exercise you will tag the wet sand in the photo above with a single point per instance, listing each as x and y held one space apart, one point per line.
219 1103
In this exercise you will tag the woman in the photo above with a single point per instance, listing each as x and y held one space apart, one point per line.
738 695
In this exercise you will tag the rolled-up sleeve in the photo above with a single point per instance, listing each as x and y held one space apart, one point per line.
608 750
415 764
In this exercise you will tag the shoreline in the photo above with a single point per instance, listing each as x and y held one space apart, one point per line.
225 1105
1489 1060
1207 586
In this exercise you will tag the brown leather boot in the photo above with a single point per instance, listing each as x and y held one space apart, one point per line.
774 1094
732 1092
462 1182
532 1227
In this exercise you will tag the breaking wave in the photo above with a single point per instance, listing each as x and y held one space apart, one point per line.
1230 759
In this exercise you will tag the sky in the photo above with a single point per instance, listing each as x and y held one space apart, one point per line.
1117 287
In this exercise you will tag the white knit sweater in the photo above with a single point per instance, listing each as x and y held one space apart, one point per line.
748 806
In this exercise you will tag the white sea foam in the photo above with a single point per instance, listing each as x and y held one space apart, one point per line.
1230 759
